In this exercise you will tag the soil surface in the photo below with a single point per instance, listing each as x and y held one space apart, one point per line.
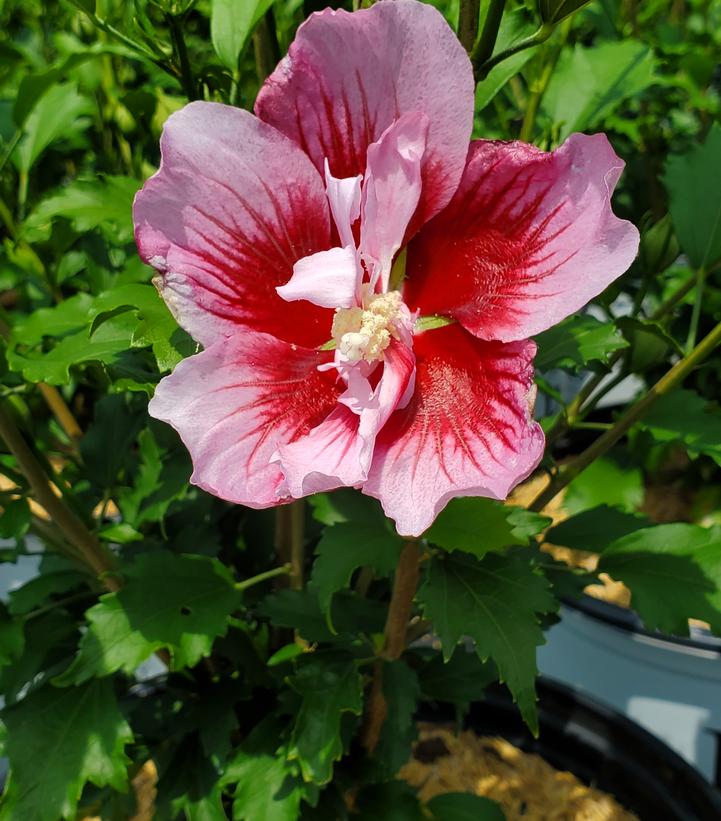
526 786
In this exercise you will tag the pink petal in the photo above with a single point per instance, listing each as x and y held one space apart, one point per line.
392 189
347 77
344 197
328 278
236 402
528 239
234 205
338 452
467 431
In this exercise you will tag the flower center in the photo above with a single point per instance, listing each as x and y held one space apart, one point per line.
364 333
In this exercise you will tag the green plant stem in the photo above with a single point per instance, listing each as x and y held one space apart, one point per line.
405 583
483 49
576 410
468 14
604 443
290 540
538 92
190 87
265 46
284 570
140 49
7 153
482 68
93 554
696 313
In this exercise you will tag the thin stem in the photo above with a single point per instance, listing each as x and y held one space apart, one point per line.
88 547
696 313
482 69
534 101
290 539
190 87
54 400
573 411
468 14
483 50
405 583
265 46
604 443
140 49
14 140
284 570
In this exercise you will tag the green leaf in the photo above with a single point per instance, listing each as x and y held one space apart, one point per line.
37 591
695 199
15 519
57 115
590 83
231 22
687 418
12 639
650 342
477 525
96 329
401 690
553 11
577 341
514 27
392 801
190 784
50 639
347 546
673 572
605 482
162 478
594 530
57 740
192 599
328 688
495 602
265 788
107 446
459 806
460 678
90 203
346 505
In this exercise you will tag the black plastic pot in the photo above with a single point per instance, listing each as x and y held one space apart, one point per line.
603 748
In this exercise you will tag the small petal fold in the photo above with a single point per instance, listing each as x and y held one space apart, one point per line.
339 451
392 190
344 198
233 206
467 430
328 278
349 76
235 403
528 239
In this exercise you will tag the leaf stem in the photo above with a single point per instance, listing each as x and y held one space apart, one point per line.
468 15
604 443
283 570
696 313
93 554
265 46
483 49
290 539
405 583
190 87
534 101
103 25
54 400
482 69
575 409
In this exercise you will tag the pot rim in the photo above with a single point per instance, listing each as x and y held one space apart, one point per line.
627 619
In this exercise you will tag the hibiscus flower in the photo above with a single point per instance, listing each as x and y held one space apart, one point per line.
363 279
